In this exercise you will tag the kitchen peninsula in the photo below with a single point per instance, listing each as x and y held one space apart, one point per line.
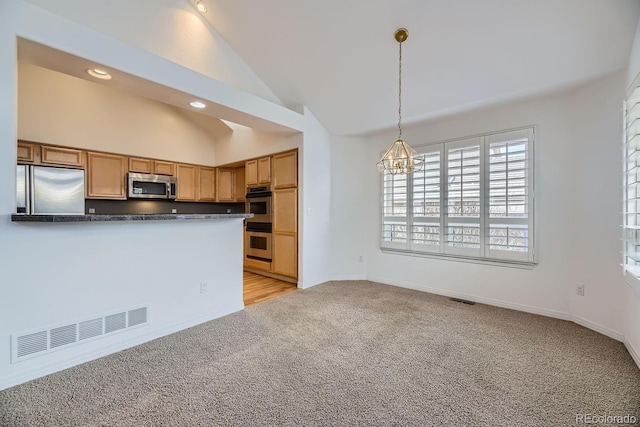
137 217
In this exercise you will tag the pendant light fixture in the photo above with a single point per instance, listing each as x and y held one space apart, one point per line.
400 158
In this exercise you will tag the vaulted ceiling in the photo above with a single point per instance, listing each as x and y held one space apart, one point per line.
339 58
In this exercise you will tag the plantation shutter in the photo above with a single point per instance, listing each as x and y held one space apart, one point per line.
631 208
463 197
394 211
427 218
510 196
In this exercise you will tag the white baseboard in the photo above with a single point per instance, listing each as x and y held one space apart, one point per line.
635 354
505 304
489 301
598 328
83 357
349 277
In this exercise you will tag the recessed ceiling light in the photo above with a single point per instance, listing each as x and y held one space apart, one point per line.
201 7
197 104
99 73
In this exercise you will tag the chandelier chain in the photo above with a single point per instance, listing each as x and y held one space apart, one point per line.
400 92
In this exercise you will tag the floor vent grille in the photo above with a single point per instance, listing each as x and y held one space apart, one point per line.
463 301
42 341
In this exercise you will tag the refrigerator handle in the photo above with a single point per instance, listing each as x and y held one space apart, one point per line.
30 190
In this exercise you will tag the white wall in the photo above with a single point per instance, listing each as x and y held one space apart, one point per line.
245 143
58 109
349 169
315 204
597 134
168 28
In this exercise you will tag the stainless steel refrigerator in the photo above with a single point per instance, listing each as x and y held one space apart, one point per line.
43 190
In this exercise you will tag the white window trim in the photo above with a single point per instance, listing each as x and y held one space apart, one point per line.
409 248
631 279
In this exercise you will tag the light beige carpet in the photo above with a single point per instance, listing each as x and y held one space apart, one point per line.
346 353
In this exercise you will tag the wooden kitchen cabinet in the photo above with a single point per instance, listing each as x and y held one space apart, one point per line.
206 184
241 188
285 232
226 184
62 156
285 210
26 152
285 254
106 176
264 170
258 171
285 170
161 167
140 165
187 183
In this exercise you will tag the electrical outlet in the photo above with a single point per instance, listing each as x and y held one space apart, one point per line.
360 258
174 210
580 289
228 210
92 210
203 287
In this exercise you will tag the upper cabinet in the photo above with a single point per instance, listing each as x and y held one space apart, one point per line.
140 165
258 171
187 183
226 184
285 170
26 152
106 176
264 170
161 167
62 156
241 187
206 184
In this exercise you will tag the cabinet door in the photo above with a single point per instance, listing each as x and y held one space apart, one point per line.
241 188
226 185
62 156
251 172
264 170
186 183
26 152
164 168
140 165
285 210
206 184
285 170
106 176
285 254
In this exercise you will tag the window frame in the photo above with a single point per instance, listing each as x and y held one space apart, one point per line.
630 277
484 254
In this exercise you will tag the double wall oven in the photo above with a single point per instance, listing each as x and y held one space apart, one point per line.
258 232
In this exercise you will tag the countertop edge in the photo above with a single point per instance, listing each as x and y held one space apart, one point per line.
128 217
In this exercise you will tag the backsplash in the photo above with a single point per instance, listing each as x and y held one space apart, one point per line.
159 207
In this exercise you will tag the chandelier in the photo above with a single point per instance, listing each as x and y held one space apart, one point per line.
400 158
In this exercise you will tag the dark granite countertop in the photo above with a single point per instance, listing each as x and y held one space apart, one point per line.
130 217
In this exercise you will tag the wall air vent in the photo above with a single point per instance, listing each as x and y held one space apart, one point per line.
43 341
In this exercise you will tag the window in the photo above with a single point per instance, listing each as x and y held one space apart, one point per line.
473 199
631 184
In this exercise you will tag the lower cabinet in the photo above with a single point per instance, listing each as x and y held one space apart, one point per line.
106 176
285 254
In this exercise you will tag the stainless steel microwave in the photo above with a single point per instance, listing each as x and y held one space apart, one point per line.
148 186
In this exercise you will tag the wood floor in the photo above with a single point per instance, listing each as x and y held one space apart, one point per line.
260 288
